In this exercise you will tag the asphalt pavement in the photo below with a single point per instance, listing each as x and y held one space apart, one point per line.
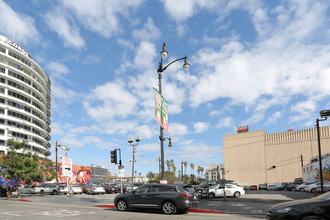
253 203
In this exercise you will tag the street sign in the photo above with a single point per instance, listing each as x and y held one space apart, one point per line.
163 181
66 166
121 171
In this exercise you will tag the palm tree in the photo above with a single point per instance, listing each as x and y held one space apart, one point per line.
173 166
192 166
198 170
139 174
202 170
185 167
168 163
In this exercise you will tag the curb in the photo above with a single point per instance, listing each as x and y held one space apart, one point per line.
189 210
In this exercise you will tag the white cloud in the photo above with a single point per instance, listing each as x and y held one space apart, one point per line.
273 119
61 22
148 33
304 110
110 100
181 10
176 129
24 27
200 127
225 123
101 16
57 70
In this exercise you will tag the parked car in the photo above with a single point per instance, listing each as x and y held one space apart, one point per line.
84 188
290 186
76 189
311 187
130 187
206 184
326 187
300 187
218 191
51 188
280 185
263 186
170 198
254 187
26 190
112 188
315 208
96 189
272 188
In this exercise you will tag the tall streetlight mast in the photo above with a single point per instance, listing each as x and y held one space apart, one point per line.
131 142
160 71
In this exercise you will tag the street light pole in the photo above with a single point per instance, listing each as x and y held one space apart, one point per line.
56 163
160 71
131 142
324 114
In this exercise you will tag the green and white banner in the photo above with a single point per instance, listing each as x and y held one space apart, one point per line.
161 111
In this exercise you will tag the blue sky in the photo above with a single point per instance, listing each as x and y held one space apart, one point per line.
259 63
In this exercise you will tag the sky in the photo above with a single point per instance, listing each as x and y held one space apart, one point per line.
264 64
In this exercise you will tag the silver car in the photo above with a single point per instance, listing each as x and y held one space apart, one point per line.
31 190
96 189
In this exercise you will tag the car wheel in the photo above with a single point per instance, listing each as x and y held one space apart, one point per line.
122 205
55 192
301 189
237 194
312 217
169 207
199 192
211 195
42 192
293 189
313 190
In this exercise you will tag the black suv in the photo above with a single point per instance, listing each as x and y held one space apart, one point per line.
170 198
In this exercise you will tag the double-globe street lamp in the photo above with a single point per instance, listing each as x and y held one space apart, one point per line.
160 70
131 142
56 162
324 114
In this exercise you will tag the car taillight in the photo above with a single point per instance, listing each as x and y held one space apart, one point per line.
94 188
185 195
35 189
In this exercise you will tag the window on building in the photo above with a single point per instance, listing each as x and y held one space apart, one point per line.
2 132
2 142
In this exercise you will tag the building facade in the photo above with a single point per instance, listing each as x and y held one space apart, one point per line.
256 157
98 174
215 172
25 99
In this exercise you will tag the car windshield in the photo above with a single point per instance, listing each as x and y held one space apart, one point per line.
214 186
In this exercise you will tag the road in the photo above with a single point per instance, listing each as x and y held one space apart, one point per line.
253 205
14 209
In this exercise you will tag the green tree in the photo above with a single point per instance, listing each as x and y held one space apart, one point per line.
150 175
25 167
168 164
185 167
198 170
192 166
107 177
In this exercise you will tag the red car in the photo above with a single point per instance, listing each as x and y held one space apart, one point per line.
254 187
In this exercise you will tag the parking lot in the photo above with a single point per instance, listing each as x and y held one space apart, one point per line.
252 203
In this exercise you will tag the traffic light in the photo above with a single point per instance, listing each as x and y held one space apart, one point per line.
114 156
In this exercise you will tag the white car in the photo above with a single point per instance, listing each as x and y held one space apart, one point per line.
96 189
326 187
77 189
311 187
218 191
300 187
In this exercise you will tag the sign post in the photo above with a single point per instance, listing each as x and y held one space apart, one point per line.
121 174
67 170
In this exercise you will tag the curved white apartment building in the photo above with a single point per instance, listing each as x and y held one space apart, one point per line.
25 99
